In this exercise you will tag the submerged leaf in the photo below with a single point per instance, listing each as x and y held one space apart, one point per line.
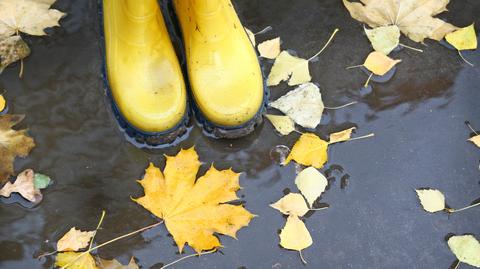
303 105
463 38
24 185
74 240
292 204
12 49
309 150
270 49
432 200
288 67
384 39
283 124
193 210
341 136
71 258
311 184
466 248
379 63
295 235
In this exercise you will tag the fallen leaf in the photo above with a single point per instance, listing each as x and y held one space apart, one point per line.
466 248
288 67
12 144
379 63
309 150
12 49
3 103
292 204
251 36
194 210
414 18
295 235
114 264
432 200
384 39
41 181
84 262
303 105
24 185
475 140
74 240
463 38
283 124
341 136
27 16
311 184
270 49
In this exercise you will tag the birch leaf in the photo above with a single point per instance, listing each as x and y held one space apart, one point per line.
303 105
341 136
414 18
85 262
311 184
3 103
475 140
283 124
309 150
291 68
463 38
466 248
270 49
384 39
74 240
24 185
292 204
379 63
12 49
295 235
432 200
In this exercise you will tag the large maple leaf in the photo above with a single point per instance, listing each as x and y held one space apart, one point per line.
193 210
413 17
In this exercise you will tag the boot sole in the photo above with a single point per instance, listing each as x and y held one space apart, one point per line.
138 137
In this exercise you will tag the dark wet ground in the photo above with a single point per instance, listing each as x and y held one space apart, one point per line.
373 222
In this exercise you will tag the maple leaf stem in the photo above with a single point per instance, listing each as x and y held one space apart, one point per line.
325 46
408 47
188 256
451 210
342 106
465 60
111 241
470 127
301 257
96 230
263 31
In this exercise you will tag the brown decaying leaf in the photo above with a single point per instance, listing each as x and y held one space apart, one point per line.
12 49
12 144
25 186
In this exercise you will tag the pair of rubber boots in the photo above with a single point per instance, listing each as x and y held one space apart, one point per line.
145 78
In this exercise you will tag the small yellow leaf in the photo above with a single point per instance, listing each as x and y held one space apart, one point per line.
295 235
432 200
311 184
463 38
270 49
251 36
283 124
309 150
384 39
114 264
379 63
292 204
3 103
287 66
341 136
466 248
74 240
475 140
70 258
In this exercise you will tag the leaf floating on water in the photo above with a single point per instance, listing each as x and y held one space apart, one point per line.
463 38
283 124
73 260
193 210
432 200
379 63
114 264
414 18
303 105
384 39
270 49
12 49
311 184
291 68
466 248
475 140
294 235
41 181
251 36
24 185
3 105
292 204
341 136
74 240
309 150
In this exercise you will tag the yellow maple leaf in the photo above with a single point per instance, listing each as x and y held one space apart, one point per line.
464 38
12 144
193 209
71 259
74 240
414 18
379 63
309 150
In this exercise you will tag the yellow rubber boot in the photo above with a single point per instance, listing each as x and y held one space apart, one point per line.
223 69
143 71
